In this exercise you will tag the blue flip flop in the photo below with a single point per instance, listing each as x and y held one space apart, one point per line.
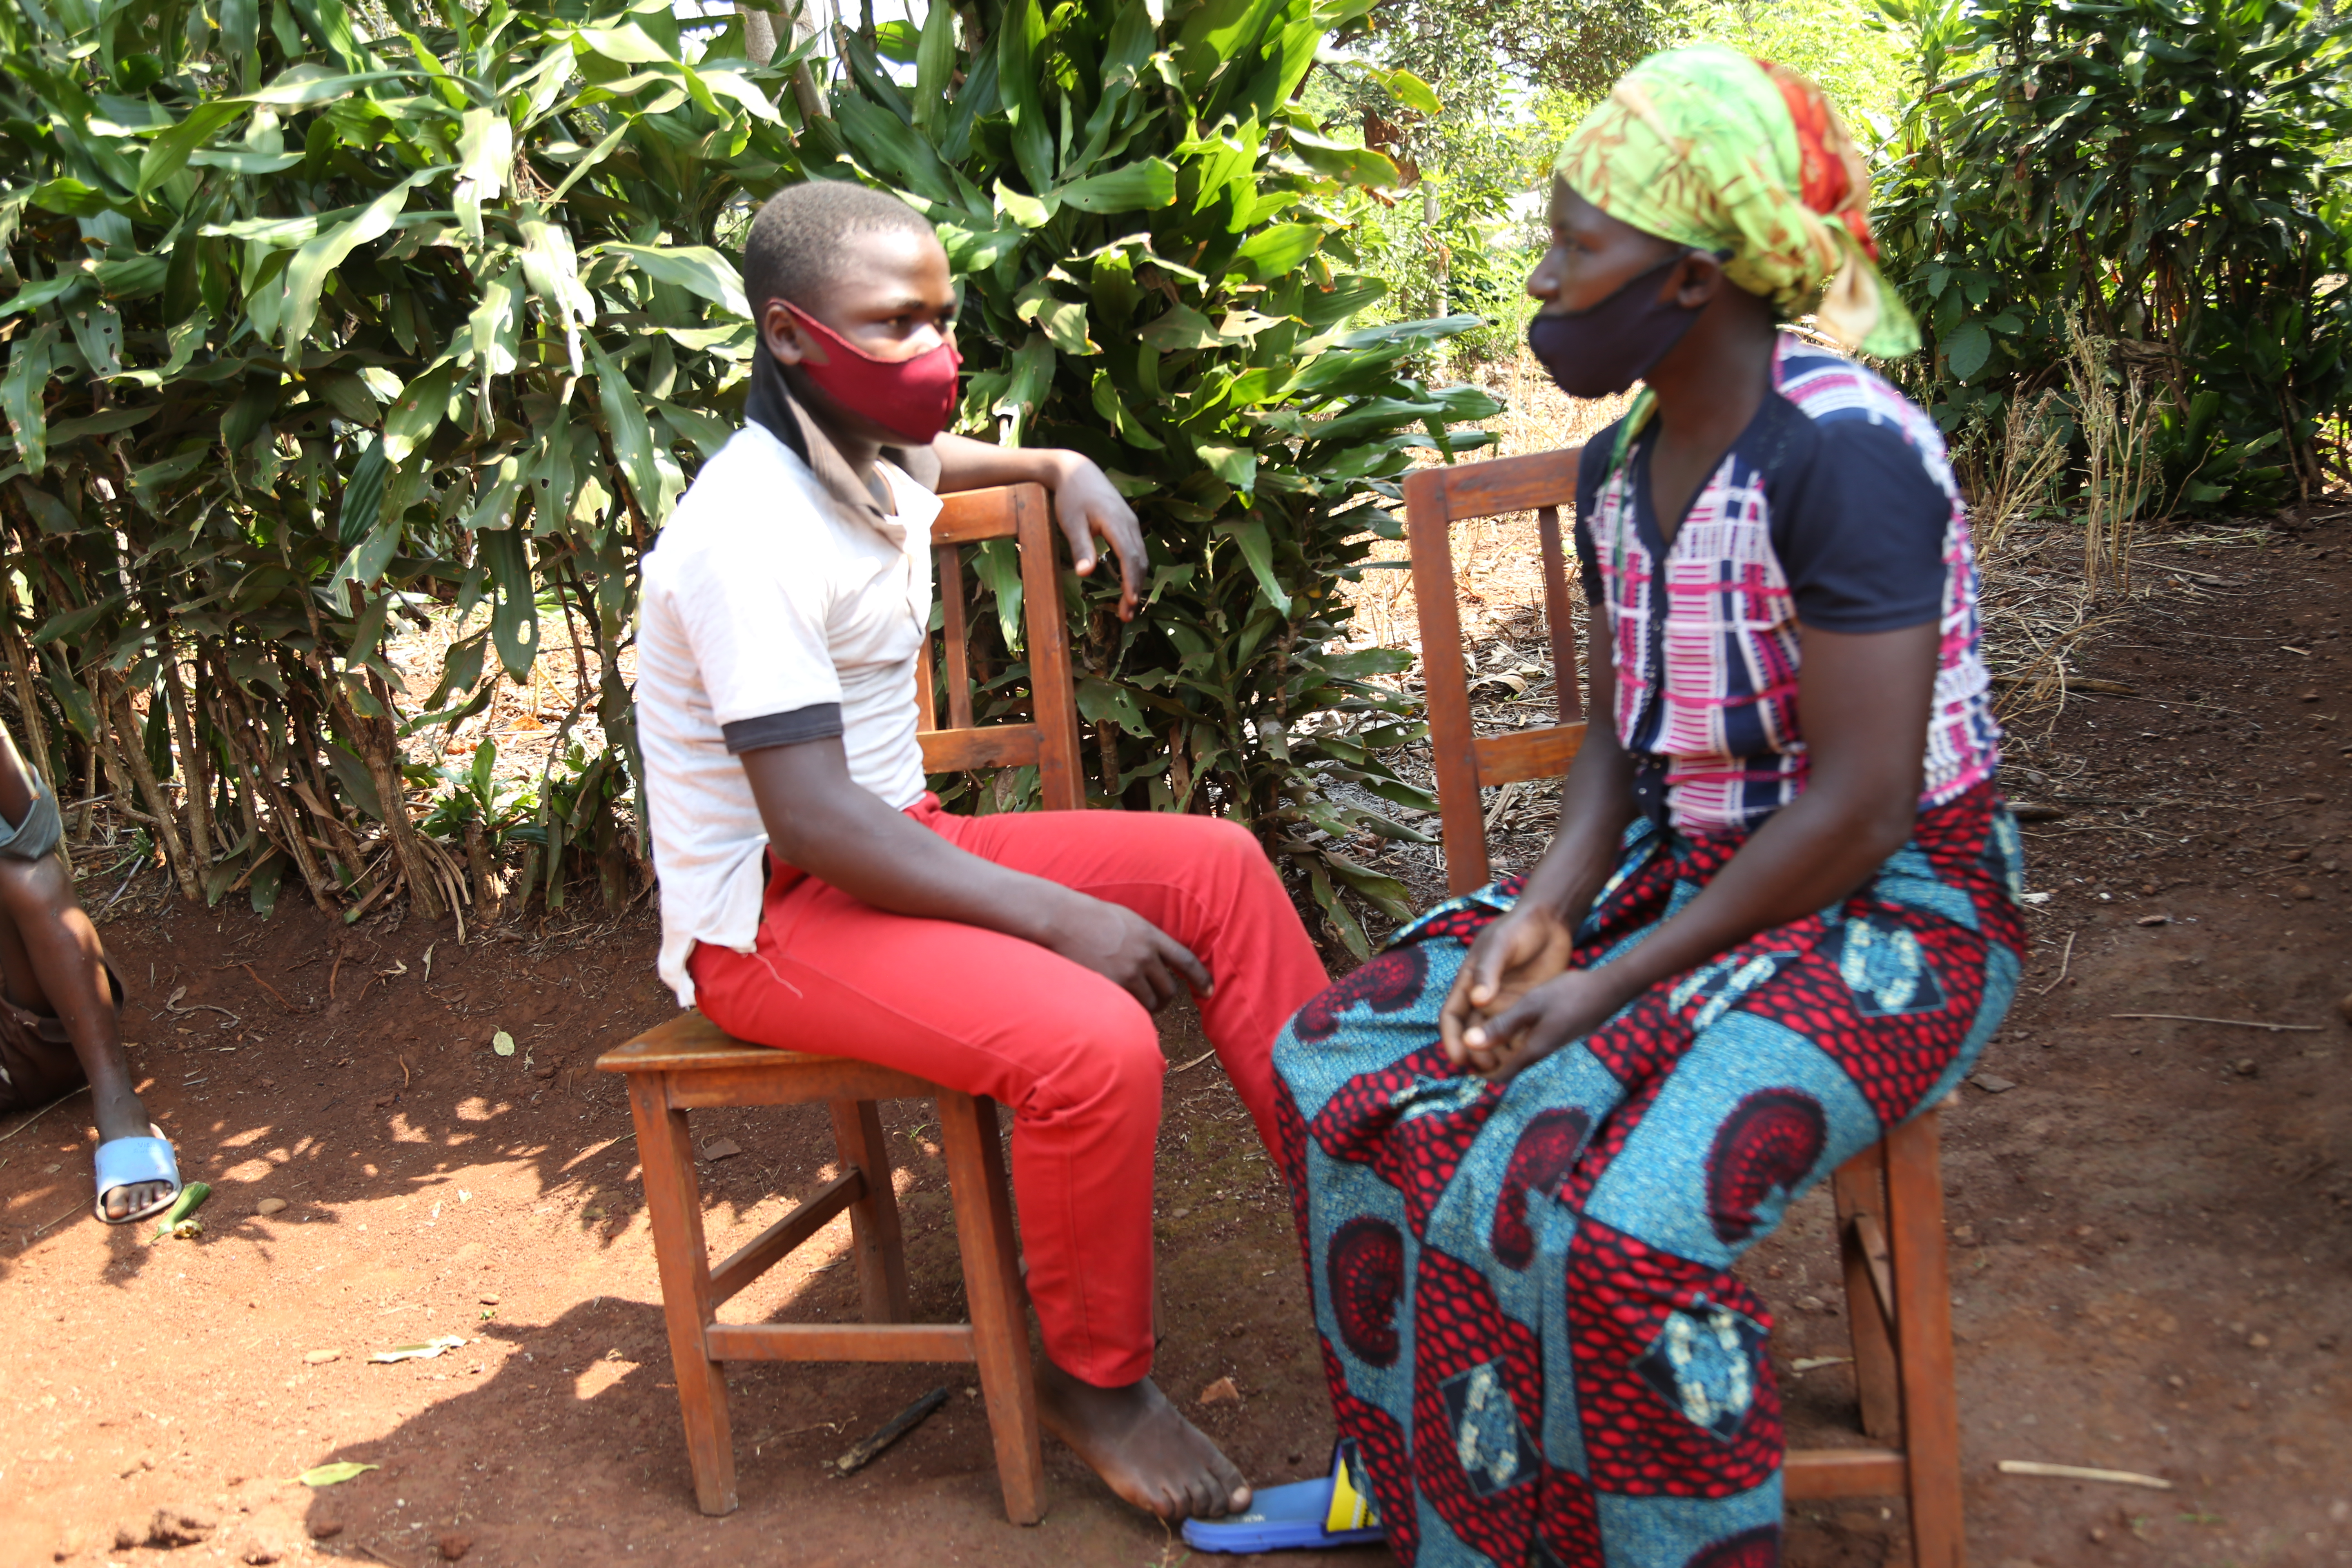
1334 1512
127 1162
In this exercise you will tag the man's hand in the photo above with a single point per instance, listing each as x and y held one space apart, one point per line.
1083 498
1088 504
1509 959
1128 951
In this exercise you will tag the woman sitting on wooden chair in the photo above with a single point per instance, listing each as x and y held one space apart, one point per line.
1530 1141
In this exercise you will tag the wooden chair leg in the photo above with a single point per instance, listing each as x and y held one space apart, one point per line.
674 1208
874 1218
1860 1190
1923 1310
983 1214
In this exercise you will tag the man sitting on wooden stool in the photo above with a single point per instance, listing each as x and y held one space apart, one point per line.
813 894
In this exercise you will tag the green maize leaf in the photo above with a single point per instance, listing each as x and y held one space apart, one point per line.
1250 535
1139 187
307 86
1236 465
553 266
627 44
695 268
169 154
495 325
334 1474
934 59
363 495
240 163
897 41
306 275
97 329
514 612
1019 40
105 424
23 402
73 622
417 412
32 296
1024 209
896 149
485 160
1277 250
624 420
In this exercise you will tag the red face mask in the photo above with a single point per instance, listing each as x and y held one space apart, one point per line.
914 399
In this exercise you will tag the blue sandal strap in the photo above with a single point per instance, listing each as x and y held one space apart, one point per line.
127 1162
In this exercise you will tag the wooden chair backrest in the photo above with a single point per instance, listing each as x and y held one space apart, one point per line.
1435 500
1049 741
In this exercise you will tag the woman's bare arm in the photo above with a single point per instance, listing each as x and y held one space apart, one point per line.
1862 703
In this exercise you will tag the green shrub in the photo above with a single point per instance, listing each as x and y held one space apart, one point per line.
309 332
1162 274
2173 171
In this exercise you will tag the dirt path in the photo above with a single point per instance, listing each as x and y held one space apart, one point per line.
2150 1217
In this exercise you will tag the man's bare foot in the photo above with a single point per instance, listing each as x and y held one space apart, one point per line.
1141 1446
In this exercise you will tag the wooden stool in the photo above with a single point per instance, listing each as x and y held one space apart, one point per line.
1890 1198
689 1063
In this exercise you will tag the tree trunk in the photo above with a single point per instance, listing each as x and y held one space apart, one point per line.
378 748
243 739
194 764
133 757
488 897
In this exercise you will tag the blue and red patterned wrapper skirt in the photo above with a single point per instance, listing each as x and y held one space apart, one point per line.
1524 1292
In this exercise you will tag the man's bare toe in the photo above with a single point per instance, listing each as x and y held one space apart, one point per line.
127 1200
1141 1446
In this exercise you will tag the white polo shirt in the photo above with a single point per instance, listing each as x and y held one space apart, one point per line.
770 612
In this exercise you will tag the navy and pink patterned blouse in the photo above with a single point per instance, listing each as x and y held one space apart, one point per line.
1836 509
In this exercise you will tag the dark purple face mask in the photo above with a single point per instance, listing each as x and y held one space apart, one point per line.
1603 350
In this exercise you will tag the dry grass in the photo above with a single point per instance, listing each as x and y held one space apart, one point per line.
524 718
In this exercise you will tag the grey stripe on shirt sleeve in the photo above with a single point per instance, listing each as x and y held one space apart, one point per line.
817 721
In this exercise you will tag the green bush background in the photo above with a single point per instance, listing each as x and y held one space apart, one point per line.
311 333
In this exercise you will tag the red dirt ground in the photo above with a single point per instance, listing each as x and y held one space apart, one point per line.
2151 1223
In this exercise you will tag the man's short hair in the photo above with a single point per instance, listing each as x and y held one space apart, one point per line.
795 245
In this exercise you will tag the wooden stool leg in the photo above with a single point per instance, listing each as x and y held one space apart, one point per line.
1923 1311
674 1208
874 1218
1859 1188
983 1214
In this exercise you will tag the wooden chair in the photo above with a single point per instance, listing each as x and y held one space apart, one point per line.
688 1063
1889 1198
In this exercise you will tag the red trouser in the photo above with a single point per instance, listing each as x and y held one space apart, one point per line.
1076 1057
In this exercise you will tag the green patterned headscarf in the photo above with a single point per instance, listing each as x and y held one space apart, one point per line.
1714 149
